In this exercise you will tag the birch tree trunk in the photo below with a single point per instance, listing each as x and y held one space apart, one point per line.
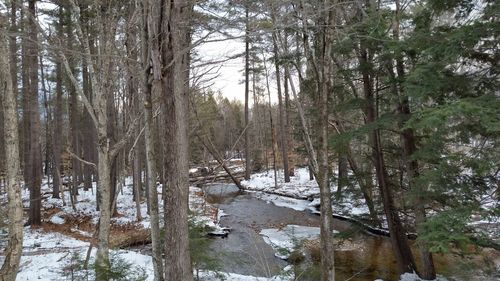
13 251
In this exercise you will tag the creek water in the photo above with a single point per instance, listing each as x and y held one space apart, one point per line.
361 256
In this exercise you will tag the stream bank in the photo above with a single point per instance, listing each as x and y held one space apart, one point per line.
359 256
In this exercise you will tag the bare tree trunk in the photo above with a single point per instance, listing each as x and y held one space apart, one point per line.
73 113
57 133
98 112
324 88
289 140
104 184
153 193
149 140
13 45
168 25
35 153
283 138
137 183
152 175
89 144
273 135
248 165
26 124
13 251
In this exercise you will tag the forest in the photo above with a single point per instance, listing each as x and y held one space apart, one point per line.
363 144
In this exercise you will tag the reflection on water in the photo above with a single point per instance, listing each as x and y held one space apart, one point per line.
362 257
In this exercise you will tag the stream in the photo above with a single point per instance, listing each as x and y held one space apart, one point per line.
361 256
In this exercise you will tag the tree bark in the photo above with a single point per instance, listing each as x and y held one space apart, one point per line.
248 165
324 88
35 153
98 112
26 124
168 25
57 133
13 252
288 137
271 125
149 140
89 144
283 138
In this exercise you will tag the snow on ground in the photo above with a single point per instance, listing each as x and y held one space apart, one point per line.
414 277
47 257
283 201
301 188
210 276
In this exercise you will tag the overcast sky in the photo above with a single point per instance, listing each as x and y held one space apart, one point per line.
226 76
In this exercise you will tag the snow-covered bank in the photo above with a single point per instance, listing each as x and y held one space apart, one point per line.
303 193
58 248
300 186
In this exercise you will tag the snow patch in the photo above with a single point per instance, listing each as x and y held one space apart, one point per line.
284 240
56 219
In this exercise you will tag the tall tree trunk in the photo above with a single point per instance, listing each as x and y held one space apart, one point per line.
57 134
149 141
136 168
89 136
26 124
288 137
168 25
35 153
98 111
48 117
428 270
153 193
133 95
13 252
73 113
13 45
283 138
399 241
324 88
273 135
104 184
248 165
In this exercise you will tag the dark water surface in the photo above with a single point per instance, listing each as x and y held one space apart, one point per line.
362 256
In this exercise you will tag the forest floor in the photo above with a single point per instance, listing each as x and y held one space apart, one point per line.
57 249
